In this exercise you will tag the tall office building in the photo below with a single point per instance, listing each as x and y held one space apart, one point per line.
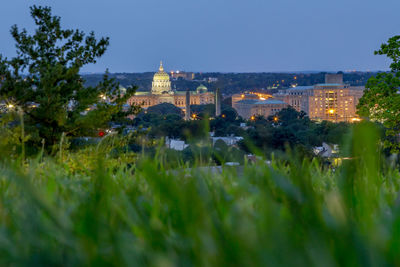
333 100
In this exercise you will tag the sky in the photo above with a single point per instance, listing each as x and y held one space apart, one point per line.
224 35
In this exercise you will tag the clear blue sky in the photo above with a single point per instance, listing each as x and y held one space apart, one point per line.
224 35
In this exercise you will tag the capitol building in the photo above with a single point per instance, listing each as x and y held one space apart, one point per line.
161 92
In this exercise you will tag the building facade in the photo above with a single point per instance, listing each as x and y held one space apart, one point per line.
238 97
249 95
161 92
247 108
183 75
297 97
334 78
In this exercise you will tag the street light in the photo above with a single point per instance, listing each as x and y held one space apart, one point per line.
332 111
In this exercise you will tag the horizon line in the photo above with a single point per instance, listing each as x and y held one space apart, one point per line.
239 72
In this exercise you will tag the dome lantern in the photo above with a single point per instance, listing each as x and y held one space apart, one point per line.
201 89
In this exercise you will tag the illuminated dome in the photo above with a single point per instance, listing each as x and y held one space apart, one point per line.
201 89
161 83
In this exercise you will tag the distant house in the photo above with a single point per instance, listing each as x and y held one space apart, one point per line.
182 74
175 144
326 151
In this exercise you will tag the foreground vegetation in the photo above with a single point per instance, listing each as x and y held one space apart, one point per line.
89 208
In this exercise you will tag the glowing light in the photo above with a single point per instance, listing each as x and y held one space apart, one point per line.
262 98
223 115
276 119
252 118
242 96
10 106
194 116
331 111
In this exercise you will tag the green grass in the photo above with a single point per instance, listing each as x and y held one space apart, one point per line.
90 209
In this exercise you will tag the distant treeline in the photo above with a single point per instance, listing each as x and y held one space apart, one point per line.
231 83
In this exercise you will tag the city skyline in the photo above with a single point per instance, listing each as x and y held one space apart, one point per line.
216 36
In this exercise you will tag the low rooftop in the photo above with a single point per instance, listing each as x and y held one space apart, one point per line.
307 87
330 84
261 102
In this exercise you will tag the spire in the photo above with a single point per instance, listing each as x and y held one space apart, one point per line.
217 103
187 106
161 69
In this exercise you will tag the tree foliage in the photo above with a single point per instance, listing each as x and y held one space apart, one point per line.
381 100
165 109
43 83
290 128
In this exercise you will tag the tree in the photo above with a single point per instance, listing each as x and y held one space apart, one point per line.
288 116
207 110
381 101
164 109
43 82
229 113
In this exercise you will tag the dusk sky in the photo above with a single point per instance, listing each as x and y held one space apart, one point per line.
224 35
